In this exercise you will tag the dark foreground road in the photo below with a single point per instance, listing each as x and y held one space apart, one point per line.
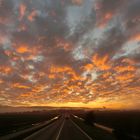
65 128
62 129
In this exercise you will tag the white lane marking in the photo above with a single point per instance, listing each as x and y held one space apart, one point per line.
22 132
108 129
37 132
40 130
60 130
78 118
82 131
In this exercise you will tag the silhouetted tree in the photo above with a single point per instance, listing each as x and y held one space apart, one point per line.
90 118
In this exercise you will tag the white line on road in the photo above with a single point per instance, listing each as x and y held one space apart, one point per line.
57 138
108 129
39 131
28 130
78 118
82 131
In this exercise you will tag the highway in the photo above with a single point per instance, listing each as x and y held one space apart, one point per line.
62 129
65 127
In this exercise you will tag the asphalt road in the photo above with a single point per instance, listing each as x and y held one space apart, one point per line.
62 129
65 127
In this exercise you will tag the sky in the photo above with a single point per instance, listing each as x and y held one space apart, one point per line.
75 53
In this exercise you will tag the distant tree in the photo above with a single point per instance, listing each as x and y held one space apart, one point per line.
90 118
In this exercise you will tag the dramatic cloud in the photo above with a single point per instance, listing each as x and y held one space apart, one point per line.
70 53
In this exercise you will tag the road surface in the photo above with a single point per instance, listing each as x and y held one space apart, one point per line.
65 127
62 129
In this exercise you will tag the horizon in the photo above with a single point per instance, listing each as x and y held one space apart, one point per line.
69 107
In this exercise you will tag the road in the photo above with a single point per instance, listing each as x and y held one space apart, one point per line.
65 127
62 129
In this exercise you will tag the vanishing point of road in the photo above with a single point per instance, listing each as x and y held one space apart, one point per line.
61 129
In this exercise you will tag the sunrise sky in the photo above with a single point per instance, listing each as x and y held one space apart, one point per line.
76 53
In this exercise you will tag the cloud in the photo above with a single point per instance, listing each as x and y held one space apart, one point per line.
6 10
32 15
22 10
3 56
112 41
69 51
101 63
17 85
107 10
131 15
77 2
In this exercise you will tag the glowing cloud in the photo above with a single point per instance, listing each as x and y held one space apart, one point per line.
70 53
22 10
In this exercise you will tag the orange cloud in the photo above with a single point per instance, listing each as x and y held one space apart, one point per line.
32 53
34 92
73 74
29 94
51 76
125 77
101 62
106 75
2 39
22 49
105 19
41 74
56 69
1 81
108 16
88 67
128 61
32 16
39 88
124 68
22 10
65 69
18 85
135 37
77 2
5 69
61 43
